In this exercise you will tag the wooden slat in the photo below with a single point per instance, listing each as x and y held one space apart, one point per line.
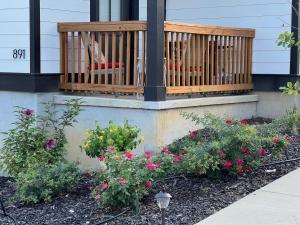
128 58
178 64
233 61
173 59
113 55
246 61
72 57
135 58
62 57
99 58
212 60
229 60
102 88
86 57
93 58
193 59
79 57
66 51
198 56
207 50
188 66
209 88
106 44
242 60
221 59
102 26
183 50
238 60
226 58
208 30
216 74
121 44
250 59
167 66
203 59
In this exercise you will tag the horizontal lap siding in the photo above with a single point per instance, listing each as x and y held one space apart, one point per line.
14 34
52 12
268 17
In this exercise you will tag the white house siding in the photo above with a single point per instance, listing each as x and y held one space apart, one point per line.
52 12
14 34
268 17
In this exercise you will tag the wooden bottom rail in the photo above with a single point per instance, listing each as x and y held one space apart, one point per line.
209 88
101 88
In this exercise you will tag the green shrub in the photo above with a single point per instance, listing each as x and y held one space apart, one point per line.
123 138
43 183
37 142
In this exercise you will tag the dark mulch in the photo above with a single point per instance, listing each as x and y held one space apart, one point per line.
193 199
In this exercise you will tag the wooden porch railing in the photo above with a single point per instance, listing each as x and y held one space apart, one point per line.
110 57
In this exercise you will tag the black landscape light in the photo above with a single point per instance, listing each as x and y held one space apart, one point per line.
163 200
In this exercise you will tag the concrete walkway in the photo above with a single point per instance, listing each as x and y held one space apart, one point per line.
275 204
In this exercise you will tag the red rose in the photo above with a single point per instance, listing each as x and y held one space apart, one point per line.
194 134
227 164
147 153
101 158
122 181
178 157
97 197
229 121
222 153
129 155
276 140
147 156
245 151
240 170
262 152
164 149
243 122
239 161
248 167
148 184
104 187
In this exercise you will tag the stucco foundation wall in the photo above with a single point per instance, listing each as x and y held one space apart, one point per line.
161 123
275 104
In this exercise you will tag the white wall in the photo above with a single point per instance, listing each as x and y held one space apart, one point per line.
52 12
14 34
268 17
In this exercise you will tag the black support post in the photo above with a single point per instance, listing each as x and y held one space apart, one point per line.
155 89
35 37
94 10
294 61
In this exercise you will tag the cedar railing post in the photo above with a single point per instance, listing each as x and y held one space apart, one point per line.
155 89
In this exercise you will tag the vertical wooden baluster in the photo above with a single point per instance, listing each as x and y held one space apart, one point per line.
221 60
79 57
128 58
93 58
66 57
245 61
173 59
202 59
216 75
198 59
113 55
106 57
229 60
225 60
183 50
135 56
238 49
242 61
62 58
73 57
212 59
188 66
194 58
233 61
86 57
100 58
250 59
207 37
143 57
121 44
178 58
167 66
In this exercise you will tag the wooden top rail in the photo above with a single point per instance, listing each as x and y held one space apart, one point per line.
209 30
102 26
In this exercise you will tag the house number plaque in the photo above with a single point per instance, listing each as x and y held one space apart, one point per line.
19 53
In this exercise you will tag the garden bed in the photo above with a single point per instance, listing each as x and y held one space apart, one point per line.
193 199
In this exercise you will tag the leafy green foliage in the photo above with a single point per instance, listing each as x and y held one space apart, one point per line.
123 138
37 141
291 88
43 183
287 40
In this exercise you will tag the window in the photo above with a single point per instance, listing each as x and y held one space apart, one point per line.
110 10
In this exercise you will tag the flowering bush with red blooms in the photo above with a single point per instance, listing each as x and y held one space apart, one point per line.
127 177
231 145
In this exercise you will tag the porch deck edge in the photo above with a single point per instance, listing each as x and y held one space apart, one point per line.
138 103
